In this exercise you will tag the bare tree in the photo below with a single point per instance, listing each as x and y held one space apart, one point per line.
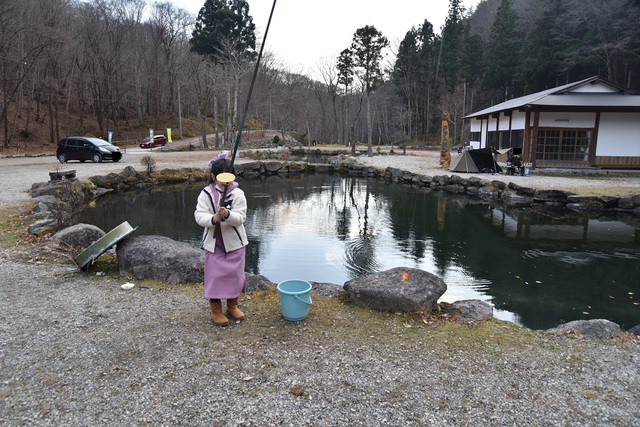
330 79
23 41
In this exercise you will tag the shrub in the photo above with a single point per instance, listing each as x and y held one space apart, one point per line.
149 163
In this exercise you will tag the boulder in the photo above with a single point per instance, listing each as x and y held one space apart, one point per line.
596 328
583 198
458 180
476 181
41 207
585 207
521 189
516 199
257 282
43 226
131 172
39 189
441 180
326 289
488 193
160 258
272 167
629 201
110 181
472 191
64 189
635 330
498 184
79 235
47 199
388 291
608 201
551 196
473 309
455 188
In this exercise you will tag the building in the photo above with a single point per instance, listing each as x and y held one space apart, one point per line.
590 123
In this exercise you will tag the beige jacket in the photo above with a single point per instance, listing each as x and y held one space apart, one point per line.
234 235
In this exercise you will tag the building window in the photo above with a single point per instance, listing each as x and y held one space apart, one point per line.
474 136
517 138
505 139
563 145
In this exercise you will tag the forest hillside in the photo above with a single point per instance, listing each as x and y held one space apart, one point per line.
127 66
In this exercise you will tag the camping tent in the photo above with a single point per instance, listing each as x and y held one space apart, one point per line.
481 160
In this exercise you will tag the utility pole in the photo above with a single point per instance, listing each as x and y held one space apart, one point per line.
179 111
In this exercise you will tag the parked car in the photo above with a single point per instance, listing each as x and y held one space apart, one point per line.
85 148
158 141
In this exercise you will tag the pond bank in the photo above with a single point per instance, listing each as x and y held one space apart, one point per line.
526 192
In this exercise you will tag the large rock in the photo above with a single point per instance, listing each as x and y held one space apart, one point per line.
43 226
46 199
585 207
551 196
79 235
472 309
516 199
160 258
257 282
387 291
68 188
326 289
596 328
629 201
488 193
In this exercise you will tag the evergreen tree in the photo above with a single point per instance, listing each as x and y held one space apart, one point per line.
413 76
406 75
429 56
503 57
223 23
367 46
472 54
345 69
543 53
451 45
345 78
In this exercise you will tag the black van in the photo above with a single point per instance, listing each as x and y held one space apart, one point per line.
86 148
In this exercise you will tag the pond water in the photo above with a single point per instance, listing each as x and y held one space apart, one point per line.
537 268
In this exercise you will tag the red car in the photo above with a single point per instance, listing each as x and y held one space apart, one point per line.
158 141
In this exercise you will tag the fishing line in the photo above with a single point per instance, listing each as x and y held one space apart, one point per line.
228 178
253 80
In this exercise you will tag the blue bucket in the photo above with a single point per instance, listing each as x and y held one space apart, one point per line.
295 299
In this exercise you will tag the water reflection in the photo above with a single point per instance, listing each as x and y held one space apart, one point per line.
536 267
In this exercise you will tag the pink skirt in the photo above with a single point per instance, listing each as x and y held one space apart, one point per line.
224 276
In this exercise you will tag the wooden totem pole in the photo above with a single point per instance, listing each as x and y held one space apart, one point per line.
445 152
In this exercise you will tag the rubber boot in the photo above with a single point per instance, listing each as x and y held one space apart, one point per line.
233 311
218 318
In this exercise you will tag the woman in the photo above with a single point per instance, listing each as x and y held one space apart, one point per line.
222 212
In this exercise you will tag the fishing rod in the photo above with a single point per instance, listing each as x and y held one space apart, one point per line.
253 80
228 176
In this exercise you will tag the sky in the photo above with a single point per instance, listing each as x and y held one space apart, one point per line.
304 34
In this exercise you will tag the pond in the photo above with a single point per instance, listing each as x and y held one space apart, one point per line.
538 268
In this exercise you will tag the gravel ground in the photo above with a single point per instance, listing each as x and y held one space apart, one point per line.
78 351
